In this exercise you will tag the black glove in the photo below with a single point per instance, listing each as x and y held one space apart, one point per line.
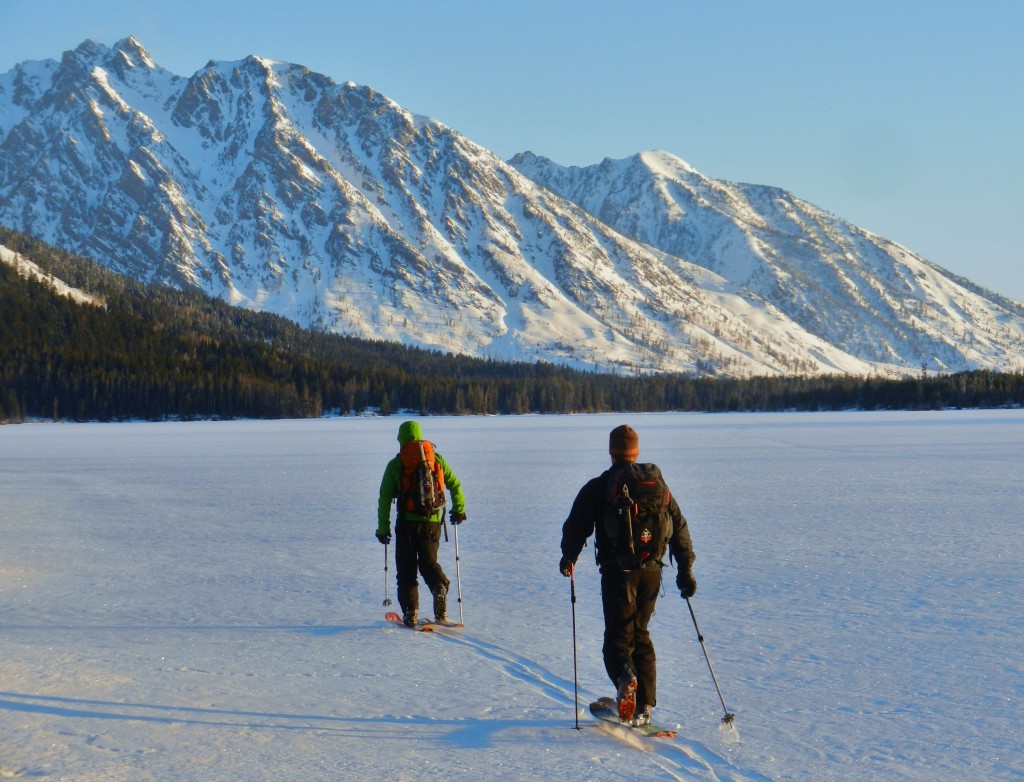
383 537
565 566
457 518
687 583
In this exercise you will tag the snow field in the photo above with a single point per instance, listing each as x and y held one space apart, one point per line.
204 601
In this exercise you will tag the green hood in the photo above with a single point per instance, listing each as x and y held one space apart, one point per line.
408 432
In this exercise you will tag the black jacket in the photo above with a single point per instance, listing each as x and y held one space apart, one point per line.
588 512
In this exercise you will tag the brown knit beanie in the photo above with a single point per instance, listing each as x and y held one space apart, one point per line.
624 443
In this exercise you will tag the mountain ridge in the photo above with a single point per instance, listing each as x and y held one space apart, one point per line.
747 233
275 188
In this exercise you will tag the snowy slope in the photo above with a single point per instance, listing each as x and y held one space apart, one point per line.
203 601
276 188
876 299
28 269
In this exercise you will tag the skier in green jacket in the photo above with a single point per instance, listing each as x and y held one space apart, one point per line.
418 526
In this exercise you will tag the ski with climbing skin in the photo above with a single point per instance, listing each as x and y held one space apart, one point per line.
424 625
607 710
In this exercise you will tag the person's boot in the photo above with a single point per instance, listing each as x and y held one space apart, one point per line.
642 716
409 618
441 604
626 694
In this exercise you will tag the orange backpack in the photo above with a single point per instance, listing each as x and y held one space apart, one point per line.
422 479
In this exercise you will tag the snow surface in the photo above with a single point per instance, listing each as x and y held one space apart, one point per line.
186 601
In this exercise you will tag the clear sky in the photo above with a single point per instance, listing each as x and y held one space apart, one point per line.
905 117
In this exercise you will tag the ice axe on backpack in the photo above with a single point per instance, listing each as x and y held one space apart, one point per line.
627 510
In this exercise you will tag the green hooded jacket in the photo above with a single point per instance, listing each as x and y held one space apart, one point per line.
391 483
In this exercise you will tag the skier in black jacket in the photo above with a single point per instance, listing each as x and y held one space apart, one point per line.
627 595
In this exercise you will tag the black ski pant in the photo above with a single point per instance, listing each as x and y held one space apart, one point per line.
628 599
416 544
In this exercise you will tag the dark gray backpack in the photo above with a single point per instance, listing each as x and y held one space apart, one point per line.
638 524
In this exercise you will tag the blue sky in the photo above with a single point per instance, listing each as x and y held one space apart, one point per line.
905 117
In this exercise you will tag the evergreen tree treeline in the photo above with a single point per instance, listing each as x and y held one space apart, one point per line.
156 353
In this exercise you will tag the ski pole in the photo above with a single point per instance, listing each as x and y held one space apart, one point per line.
729 716
458 575
387 600
575 673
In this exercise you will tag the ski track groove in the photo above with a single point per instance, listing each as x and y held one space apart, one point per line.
673 756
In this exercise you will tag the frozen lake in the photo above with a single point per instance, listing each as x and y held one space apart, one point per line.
185 601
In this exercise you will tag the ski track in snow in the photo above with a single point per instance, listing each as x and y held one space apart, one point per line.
673 756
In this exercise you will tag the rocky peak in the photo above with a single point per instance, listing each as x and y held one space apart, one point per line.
278 189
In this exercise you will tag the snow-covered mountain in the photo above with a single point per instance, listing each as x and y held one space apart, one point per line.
879 301
276 188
